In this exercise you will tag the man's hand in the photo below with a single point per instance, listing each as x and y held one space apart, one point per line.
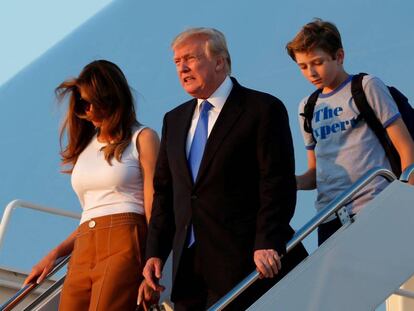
147 295
267 262
152 273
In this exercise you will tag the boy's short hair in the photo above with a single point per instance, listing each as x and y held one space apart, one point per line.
318 34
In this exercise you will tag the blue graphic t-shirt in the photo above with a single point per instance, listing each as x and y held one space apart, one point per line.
345 146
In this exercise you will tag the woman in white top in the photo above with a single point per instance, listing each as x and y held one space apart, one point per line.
111 158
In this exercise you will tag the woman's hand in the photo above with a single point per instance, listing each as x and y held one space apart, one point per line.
42 268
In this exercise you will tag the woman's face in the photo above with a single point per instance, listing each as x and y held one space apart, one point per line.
87 108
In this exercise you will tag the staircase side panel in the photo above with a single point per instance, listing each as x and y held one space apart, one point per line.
359 266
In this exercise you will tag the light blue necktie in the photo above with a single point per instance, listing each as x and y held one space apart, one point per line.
197 149
199 140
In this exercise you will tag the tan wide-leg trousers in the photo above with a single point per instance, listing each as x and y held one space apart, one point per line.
105 269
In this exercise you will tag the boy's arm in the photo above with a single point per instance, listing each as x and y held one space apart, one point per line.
307 181
401 139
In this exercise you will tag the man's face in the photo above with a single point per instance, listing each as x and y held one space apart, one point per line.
200 74
320 69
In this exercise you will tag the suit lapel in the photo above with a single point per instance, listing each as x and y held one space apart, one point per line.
181 131
231 111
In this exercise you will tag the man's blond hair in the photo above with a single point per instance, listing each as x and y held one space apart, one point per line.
215 43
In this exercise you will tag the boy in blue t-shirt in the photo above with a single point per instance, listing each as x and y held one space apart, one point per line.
342 148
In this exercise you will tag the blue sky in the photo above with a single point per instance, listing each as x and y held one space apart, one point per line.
29 28
377 37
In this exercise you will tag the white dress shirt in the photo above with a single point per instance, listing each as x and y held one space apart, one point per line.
217 100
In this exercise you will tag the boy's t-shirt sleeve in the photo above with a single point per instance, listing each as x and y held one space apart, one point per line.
307 137
380 100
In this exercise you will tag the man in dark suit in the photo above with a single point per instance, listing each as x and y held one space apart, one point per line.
228 212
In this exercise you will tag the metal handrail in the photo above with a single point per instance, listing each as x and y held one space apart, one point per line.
25 290
405 176
60 262
311 225
20 203
404 293
55 286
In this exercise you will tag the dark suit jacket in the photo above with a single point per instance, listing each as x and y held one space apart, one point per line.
244 195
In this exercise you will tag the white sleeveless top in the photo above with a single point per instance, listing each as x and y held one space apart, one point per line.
105 189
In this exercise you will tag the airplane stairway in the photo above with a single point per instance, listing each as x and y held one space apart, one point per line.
358 268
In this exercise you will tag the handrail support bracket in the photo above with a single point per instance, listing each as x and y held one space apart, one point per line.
344 215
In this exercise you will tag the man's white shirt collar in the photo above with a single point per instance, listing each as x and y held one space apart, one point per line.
219 97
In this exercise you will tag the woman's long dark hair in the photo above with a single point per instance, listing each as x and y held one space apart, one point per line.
110 95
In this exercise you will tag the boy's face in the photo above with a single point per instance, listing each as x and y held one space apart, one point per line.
321 69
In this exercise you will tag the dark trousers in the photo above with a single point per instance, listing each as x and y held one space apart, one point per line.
195 295
326 229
